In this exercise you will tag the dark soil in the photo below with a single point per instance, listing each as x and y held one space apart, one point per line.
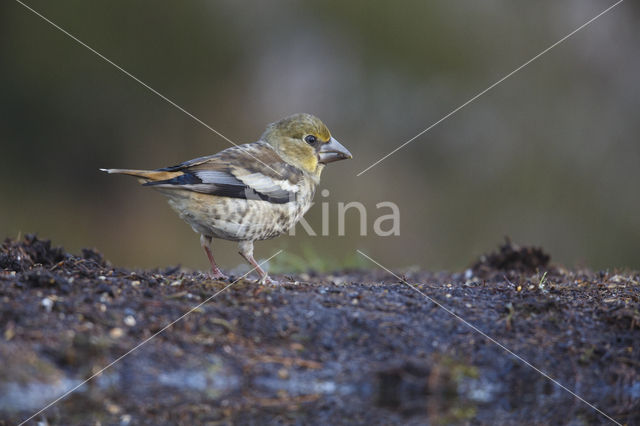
352 347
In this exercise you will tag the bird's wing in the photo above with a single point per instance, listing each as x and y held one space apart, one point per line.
237 173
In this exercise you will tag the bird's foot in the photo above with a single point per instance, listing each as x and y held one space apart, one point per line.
265 280
218 275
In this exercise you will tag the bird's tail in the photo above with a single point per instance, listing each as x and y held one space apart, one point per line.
144 175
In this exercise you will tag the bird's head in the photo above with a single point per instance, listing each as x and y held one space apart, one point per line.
303 141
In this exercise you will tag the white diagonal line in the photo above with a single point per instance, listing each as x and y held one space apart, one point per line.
491 339
67 393
492 86
142 83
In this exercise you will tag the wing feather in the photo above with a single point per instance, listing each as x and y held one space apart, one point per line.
233 173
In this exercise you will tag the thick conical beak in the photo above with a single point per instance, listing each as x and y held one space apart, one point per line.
333 151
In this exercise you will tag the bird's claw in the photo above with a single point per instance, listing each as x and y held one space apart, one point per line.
265 280
218 276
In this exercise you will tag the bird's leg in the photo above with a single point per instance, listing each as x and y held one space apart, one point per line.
246 251
215 271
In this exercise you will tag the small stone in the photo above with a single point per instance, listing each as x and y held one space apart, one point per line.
116 333
113 408
338 280
9 332
468 274
283 373
47 303
129 321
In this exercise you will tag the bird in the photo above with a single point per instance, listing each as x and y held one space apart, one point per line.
249 192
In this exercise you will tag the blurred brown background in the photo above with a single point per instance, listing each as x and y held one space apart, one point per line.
550 157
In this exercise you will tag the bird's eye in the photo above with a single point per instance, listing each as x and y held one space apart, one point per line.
310 139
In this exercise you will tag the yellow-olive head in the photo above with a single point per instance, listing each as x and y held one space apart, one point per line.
305 142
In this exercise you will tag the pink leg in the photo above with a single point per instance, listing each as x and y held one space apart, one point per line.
246 251
215 271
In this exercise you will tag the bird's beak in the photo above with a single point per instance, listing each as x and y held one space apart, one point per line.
333 151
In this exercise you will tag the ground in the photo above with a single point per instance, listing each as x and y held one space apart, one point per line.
351 347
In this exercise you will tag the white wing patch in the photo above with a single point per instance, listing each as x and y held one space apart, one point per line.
267 185
216 176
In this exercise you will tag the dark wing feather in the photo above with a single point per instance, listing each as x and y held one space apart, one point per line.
216 175
186 164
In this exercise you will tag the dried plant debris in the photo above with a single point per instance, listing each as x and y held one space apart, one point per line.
351 348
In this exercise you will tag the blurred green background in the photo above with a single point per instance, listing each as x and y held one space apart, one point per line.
550 157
